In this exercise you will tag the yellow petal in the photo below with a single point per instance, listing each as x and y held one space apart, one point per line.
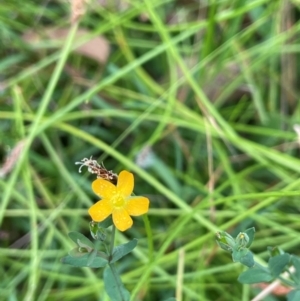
125 183
121 219
100 211
137 205
103 188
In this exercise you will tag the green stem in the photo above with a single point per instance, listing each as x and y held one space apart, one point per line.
112 241
149 236
260 266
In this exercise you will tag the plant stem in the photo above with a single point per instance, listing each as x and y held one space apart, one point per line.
112 241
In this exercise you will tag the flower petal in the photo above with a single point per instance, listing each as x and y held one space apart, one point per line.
125 183
100 211
103 188
121 219
137 205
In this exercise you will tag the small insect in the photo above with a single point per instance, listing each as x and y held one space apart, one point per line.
95 168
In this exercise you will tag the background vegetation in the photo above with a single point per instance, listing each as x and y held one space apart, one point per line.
199 99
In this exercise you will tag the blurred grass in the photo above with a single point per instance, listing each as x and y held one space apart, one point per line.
210 88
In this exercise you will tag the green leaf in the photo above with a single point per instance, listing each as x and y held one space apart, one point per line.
98 233
114 286
81 240
250 232
274 251
238 254
255 275
84 261
171 299
278 263
293 295
247 259
92 258
224 246
296 264
225 241
76 253
122 250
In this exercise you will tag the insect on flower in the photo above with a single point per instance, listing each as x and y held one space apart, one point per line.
95 168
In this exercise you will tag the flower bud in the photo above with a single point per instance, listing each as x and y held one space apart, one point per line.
242 240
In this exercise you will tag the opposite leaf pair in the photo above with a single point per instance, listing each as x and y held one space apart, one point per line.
86 253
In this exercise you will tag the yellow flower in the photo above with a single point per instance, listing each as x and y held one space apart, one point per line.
117 200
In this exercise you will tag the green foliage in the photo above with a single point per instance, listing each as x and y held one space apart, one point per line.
278 263
113 286
81 240
122 250
238 247
86 260
86 254
296 263
293 295
199 99
244 256
255 275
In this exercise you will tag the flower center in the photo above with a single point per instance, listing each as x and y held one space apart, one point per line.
118 201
